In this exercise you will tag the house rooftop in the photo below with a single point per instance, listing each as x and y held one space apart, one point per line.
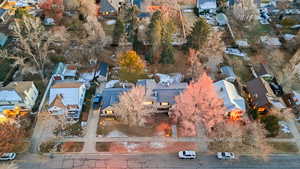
110 96
228 71
18 86
67 84
229 94
260 91
263 69
106 6
103 69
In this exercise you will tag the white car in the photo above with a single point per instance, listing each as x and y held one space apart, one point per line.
187 154
7 156
234 51
225 156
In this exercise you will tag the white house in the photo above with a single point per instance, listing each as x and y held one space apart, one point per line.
234 103
66 98
21 94
206 5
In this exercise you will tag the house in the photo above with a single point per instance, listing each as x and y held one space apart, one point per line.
3 39
233 102
261 96
263 70
110 96
4 15
161 95
228 72
69 71
206 5
66 98
98 72
110 7
20 94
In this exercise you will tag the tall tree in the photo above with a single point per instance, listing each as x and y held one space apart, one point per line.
53 9
195 67
118 31
245 11
199 34
132 66
213 50
155 28
199 103
131 108
167 56
33 42
12 137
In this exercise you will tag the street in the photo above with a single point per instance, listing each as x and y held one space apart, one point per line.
153 161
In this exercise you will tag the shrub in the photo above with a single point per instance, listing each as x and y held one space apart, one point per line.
271 125
56 59
73 130
47 147
288 22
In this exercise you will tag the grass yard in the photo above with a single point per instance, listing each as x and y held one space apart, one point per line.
284 147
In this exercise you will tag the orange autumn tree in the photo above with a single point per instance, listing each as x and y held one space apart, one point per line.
53 9
199 103
131 66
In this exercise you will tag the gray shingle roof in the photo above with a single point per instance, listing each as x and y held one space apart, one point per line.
110 96
106 6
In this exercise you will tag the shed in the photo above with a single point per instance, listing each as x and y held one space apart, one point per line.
229 73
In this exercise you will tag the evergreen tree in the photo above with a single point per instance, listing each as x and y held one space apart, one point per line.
199 34
167 56
118 31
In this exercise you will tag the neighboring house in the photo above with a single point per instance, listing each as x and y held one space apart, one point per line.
3 39
233 102
21 94
66 98
261 95
263 70
70 71
110 96
4 15
100 72
110 7
228 72
206 5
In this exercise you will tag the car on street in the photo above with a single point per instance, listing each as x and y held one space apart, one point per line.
7 156
225 155
187 154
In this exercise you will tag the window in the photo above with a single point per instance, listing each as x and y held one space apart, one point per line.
148 102
108 112
164 103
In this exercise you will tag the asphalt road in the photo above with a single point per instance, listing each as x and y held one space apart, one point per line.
153 161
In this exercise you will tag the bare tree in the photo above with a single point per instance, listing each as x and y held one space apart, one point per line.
88 8
132 109
245 11
12 137
213 50
33 42
195 66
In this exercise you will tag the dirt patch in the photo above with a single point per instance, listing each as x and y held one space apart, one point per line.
72 147
284 147
179 66
154 147
159 126
281 134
